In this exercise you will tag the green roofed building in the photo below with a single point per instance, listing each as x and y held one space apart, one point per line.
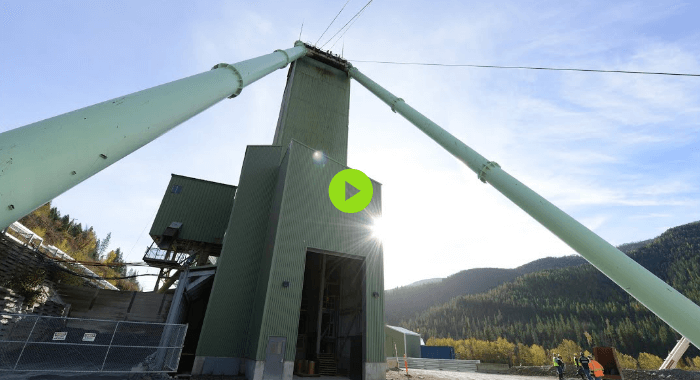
202 207
400 341
297 280
192 220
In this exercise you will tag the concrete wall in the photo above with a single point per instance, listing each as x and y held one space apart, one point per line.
115 305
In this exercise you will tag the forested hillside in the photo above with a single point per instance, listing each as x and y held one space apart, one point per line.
577 303
402 303
81 243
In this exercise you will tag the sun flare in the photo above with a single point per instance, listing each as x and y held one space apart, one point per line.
378 228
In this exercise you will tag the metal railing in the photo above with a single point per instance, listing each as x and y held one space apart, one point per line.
155 253
451 365
53 344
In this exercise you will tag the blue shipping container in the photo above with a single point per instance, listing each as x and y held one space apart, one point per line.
437 352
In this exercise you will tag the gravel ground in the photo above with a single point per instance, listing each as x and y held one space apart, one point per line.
515 373
570 373
420 374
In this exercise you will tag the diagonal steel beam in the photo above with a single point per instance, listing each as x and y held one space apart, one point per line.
42 160
667 303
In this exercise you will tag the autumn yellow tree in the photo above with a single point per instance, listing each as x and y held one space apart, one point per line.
504 350
649 361
568 349
538 355
696 363
626 361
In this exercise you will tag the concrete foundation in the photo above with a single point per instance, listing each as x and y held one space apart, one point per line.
375 371
208 365
288 370
254 369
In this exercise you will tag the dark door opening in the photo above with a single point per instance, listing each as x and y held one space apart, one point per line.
193 310
332 315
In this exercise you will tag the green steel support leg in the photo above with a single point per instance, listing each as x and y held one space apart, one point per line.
42 160
664 301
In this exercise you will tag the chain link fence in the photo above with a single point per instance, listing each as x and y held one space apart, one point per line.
43 343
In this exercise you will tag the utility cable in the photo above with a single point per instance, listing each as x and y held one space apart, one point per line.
98 263
54 261
97 278
68 271
156 212
329 25
529 68
346 24
346 29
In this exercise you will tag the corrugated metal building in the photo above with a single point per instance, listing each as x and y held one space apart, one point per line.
298 279
400 340
191 222
203 208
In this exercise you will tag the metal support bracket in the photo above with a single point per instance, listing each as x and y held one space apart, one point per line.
238 75
484 170
286 57
393 104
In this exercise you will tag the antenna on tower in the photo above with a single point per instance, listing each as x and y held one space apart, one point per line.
302 29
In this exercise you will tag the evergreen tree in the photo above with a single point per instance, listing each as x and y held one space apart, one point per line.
104 246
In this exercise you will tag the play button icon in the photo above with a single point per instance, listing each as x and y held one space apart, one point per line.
350 191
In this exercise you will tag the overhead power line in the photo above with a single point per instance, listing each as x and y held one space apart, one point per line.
329 25
54 264
72 273
98 263
528 68
346 24
349 26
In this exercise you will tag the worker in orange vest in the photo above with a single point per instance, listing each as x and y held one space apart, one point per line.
596 368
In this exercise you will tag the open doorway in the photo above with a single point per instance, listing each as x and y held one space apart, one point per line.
332 315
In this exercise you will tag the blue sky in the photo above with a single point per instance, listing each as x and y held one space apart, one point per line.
617 152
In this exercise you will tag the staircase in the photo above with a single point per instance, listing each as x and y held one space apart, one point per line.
327 365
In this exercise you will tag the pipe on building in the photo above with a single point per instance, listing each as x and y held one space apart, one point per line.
663 300
42 160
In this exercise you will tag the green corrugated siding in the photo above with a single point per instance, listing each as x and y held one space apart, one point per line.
203 207
307 219
269 233
393 337
228 317
315 109
412 346
264 277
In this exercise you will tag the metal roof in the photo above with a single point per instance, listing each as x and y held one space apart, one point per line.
403 330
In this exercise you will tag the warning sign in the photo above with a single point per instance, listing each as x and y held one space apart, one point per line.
89 337
60 335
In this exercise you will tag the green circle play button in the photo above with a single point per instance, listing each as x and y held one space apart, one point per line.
350 191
